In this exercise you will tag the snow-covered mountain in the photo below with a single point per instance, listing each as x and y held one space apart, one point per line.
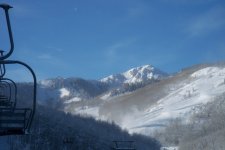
135 75
145 109
131 80
68 90
153 106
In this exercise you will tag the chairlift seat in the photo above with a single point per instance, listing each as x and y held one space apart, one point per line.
14 122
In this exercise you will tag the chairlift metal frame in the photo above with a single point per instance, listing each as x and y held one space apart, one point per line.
2 67
5 80
5 99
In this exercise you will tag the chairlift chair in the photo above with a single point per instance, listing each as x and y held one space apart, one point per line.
16 121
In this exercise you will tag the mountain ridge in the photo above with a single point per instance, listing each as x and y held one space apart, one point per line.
75 89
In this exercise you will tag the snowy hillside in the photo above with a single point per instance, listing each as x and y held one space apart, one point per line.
152 107
201 87
69 89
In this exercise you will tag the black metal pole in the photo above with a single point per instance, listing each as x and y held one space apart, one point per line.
6 8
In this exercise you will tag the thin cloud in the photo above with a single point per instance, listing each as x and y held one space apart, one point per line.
113 52
22 11
75 9
55 49
19 75
207 22
138 10
44 57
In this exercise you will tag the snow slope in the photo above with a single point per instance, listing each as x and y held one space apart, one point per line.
154 106
201 87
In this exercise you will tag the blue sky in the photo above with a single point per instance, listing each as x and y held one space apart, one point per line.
95 38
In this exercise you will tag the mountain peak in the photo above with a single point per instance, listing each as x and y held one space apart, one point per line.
135 75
